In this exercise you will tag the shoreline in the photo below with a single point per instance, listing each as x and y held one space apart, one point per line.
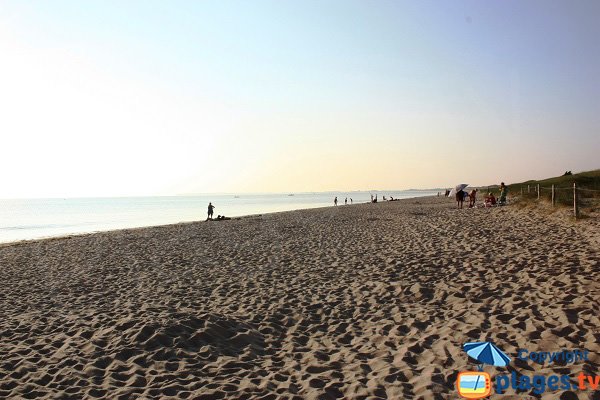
69 235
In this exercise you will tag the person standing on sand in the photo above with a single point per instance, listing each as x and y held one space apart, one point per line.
472 198
210 211
346 201
460 198
335 201
503 193
350 200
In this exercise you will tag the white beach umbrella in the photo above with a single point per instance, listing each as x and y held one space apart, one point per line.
458 188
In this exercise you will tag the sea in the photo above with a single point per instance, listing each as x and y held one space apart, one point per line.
25 219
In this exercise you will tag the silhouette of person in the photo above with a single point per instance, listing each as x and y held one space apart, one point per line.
346 201
335 201
460 198
210 211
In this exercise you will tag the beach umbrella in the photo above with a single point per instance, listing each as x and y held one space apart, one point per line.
486 353
458 188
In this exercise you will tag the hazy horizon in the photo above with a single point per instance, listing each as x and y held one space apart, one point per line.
191 194
149 98
231 194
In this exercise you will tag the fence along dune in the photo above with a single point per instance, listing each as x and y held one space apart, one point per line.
580 191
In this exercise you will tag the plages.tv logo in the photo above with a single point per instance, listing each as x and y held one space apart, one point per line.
478 384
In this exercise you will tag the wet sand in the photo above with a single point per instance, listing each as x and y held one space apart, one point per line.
369 301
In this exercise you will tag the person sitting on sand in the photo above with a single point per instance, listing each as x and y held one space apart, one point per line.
490 200
472 198
210 211
222 218
460 198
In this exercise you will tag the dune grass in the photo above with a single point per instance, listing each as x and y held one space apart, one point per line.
588 191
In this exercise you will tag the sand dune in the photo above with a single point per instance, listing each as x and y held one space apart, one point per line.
370 301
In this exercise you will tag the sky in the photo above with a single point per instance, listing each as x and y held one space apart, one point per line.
113 98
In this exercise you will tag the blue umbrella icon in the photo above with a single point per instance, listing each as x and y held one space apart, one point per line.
486 353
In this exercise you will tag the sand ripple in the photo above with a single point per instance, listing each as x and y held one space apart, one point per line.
361 302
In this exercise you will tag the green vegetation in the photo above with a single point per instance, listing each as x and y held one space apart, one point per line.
588 190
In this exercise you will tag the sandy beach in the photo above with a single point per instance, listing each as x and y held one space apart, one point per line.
369 301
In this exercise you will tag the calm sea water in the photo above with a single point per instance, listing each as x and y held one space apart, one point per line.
38 218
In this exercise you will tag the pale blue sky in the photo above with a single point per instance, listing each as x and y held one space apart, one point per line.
148 97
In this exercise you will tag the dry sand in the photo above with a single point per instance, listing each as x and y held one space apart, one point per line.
364 301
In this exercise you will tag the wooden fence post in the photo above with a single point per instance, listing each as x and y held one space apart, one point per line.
552 195
575 205
538 191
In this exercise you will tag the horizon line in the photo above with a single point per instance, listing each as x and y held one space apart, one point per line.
192 194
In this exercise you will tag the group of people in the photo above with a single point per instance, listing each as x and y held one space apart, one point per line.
462 195
335 201
489 200
373 200
211 209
